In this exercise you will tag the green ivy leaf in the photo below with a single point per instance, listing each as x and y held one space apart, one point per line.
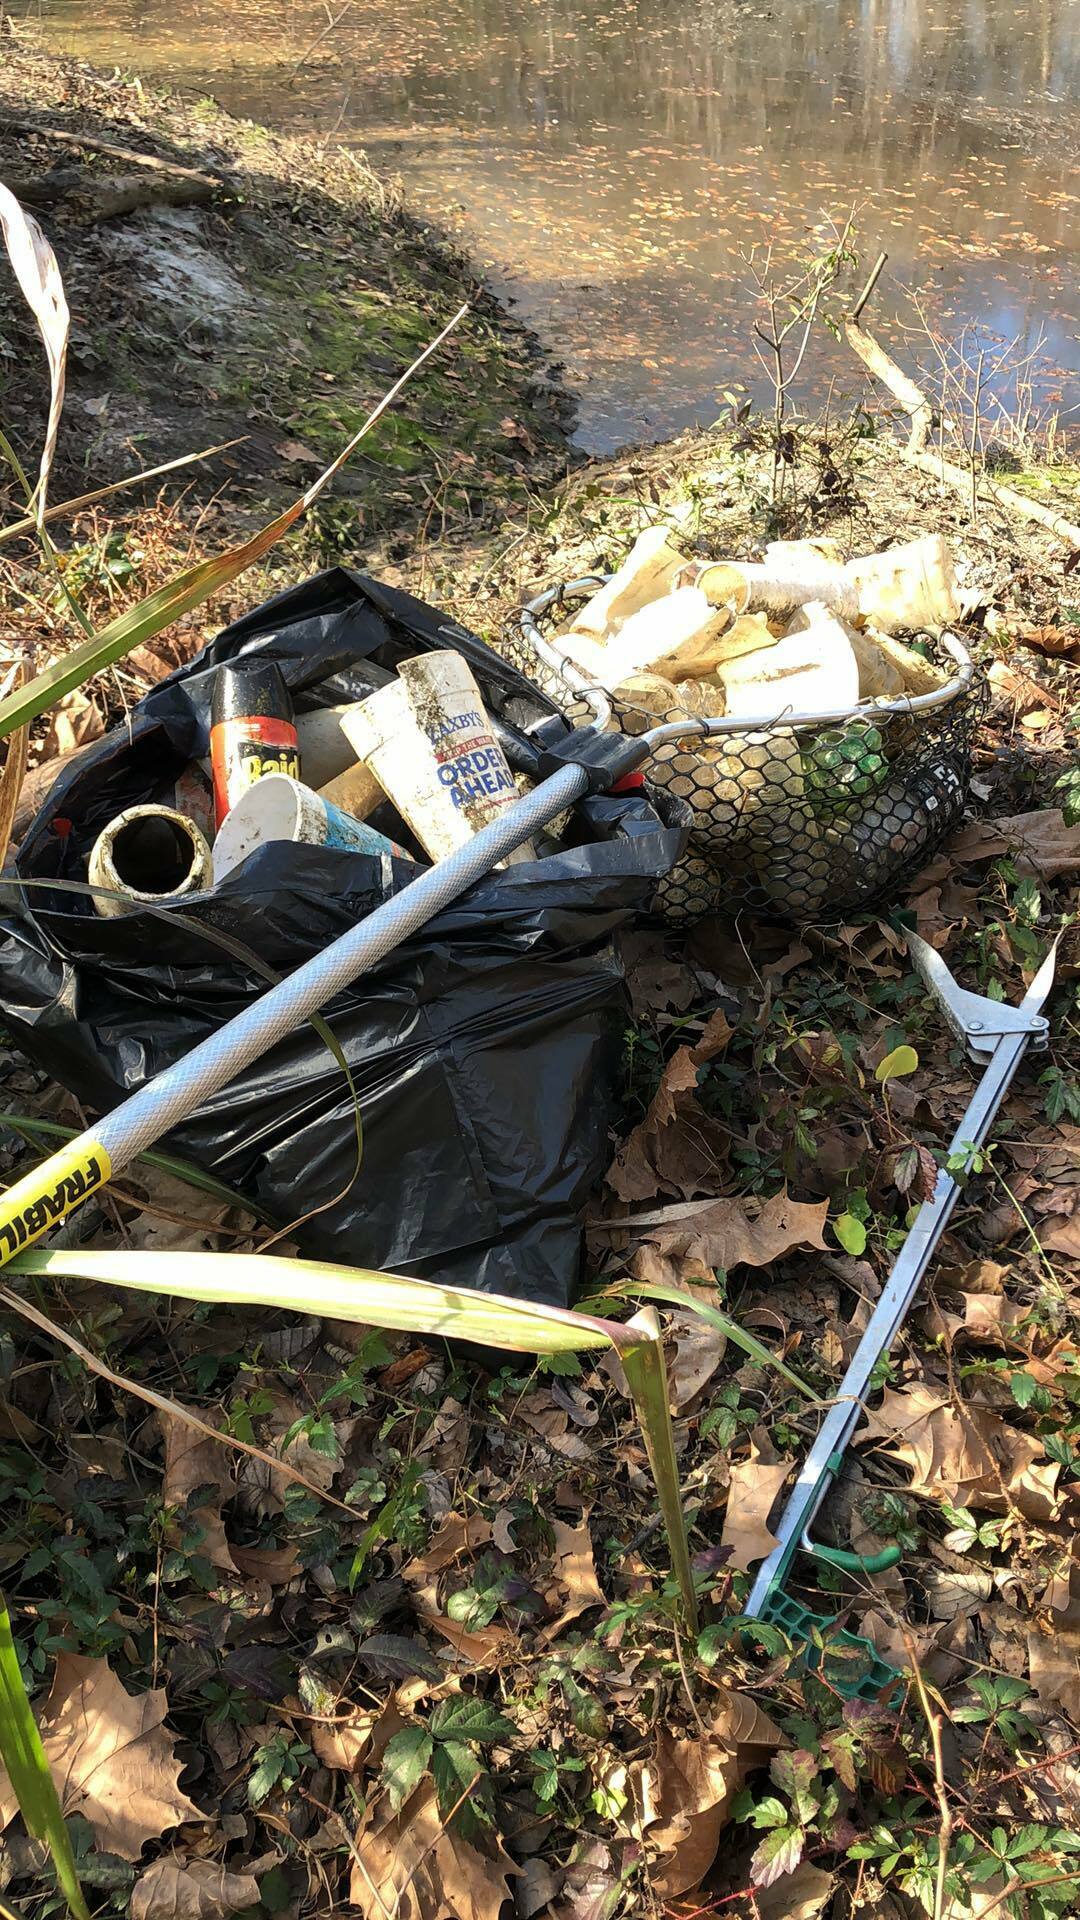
897 1064
455 1770
779 1853
405 1762
851 1233
469 1718
1022 1387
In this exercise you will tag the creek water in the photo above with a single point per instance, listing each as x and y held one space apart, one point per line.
621 168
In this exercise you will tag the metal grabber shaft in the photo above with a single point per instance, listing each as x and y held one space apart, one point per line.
73 1174
998 1035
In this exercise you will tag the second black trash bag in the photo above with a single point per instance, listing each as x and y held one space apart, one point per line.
485 1050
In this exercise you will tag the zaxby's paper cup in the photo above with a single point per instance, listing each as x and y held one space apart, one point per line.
431 747
277 808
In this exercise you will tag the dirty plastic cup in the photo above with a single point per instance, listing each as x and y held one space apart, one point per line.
150 855
280 808
431 746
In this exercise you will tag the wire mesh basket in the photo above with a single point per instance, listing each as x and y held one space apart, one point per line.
811 819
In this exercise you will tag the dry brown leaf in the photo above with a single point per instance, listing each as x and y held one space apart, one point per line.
965 1459
1056 641
192 1461
110 1756
73 722
1063 1235
180 1889
457 1534
1054 1666
678 1145
575 1570
276 1565
795 1896
1040 842
752 1491
706 1234
344 1745
693 1785
410 1866
699 1349
486 1647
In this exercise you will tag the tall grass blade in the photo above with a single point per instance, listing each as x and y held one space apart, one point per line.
396 1301
689 1302
28 1770
646 1377
12 778
34 265
65 507
190 588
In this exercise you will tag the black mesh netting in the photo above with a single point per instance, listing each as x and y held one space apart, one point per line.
809 823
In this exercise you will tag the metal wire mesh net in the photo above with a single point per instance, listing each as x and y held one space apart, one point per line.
807 823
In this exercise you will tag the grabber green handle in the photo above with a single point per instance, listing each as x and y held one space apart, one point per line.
854 1562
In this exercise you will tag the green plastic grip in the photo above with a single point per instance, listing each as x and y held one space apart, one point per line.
854 1562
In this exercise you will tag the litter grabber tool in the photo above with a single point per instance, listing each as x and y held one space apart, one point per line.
589 760
996 1037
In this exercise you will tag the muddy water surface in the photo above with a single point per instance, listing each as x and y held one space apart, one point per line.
619 165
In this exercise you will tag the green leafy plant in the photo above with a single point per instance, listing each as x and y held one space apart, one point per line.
28 1770
277 1764
444 1746
396 1301
996 1707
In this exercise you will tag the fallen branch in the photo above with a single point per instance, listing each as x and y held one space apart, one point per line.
90 143
111 195
921 414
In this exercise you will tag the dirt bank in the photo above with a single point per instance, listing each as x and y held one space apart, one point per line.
249 284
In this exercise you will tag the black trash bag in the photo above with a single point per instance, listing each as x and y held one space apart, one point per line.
485 1050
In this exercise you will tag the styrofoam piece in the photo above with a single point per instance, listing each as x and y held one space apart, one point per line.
780 584
151 856
647 572
908 589
878 675
813 671
326 752
430 745
278 808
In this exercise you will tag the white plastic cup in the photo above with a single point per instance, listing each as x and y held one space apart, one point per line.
279 808
430 745
150 856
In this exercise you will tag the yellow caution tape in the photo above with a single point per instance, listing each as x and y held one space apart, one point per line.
42 1198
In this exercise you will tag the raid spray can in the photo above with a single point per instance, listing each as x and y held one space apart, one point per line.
252 732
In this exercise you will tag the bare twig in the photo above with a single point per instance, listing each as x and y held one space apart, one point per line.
916 405
941 1793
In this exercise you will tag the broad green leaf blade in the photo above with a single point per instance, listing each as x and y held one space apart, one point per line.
405 1763
28 1770
33 1130
469 1718
677 1297
189 589
851 1233
269 1281
646 1377
901 1061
